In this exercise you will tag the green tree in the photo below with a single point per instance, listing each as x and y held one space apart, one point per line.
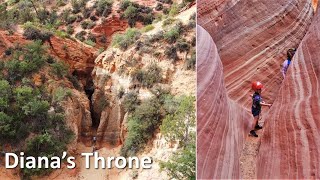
7 130
104 7
4 94
125 40
182 165
23 95
180 126
141 125
176 126
130 101
36 108
60 69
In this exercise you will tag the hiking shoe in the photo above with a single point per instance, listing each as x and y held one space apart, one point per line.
258 127
253 133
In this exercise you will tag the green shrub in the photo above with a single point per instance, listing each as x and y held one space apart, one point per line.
77 5
86 13
90 43
62 34
33 60
191 24
5 93
182 165
172 35
26 109
148 28
125 40
36 108
171 52
183 46
168 21
131 101
80 35
71 19
190 63
174 10
141 125
152 75
91 24
159 7
60 69
24 13
148 77
61 93
79 18
70 30
32 33
157 37
104 7
92 37
125 4
93 18
134 12
177 127
7 130
131 14
84 24
193 17
74 81
46 144
43 15
148 19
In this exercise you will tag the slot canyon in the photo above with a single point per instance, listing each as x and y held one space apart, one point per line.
93 57
245 41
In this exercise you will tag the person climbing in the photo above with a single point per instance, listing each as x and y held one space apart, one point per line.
287 62
257 102
94 140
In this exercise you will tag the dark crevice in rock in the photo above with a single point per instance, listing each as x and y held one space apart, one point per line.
89 90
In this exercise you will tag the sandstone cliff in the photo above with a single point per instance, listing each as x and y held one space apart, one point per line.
222 125
291 140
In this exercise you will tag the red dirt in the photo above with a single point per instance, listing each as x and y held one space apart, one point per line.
109 27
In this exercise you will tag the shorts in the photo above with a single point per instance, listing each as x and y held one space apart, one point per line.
255 112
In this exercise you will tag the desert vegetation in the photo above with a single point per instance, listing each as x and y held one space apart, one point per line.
27 108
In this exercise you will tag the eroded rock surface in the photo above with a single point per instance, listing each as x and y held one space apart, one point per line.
252 38
291 140
221 124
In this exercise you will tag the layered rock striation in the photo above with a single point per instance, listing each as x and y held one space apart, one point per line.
252 38
221 124
291 140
